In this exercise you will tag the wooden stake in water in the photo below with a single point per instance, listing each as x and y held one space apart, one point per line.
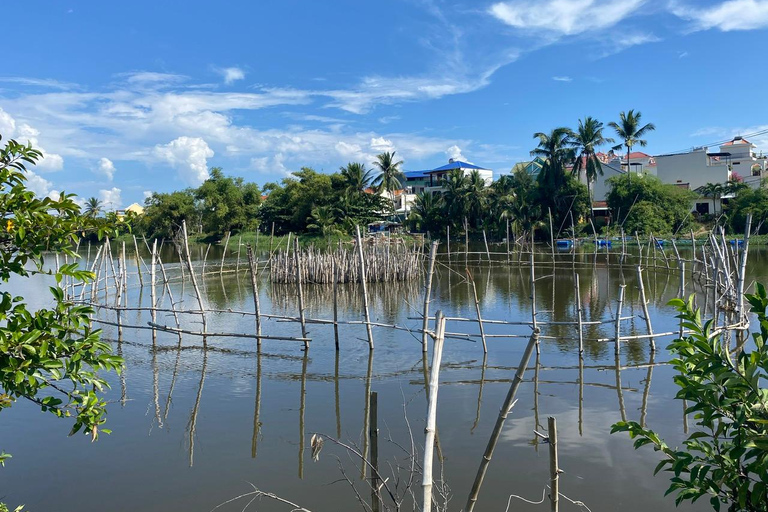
239 245
743 269
254 271
487 251
369 331
554 470
428 296
300 292
138 261
477 311
336 306
506 407
194 281
153 296
579 314
644 304
618 318
224 254
429 438
551 234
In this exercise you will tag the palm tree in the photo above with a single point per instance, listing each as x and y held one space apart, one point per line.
630 131
556 150
476 197
714 191
427 211
323 221
390 176
586 139
356 176
455 196
93 207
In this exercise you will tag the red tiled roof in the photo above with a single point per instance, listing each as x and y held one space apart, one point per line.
636 154
737 140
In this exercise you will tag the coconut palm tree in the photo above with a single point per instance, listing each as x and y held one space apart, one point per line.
455 196
629 130
93 207
714 191
556 150
323 221
586 139
390 176
427 211
356 176
476 194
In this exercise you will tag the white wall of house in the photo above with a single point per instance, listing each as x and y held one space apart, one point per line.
694 168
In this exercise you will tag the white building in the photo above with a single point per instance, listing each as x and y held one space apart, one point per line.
437 175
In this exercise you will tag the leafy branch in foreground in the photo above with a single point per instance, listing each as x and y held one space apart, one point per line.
726 458
50 357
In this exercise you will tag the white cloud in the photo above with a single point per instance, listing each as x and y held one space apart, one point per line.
562 79
231 75
454 153
7 124
111 199
40 186
107 168
380 144
269 165
727 16
189 155
564 17
152 78
147 194
24 133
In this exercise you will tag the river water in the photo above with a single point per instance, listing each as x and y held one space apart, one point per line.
193 428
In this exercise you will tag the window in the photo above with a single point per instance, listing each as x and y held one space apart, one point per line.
702 208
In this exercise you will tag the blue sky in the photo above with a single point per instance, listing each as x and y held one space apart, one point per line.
131 97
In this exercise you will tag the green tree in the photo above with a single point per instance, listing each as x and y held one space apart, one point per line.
227 203
647 205
290 203
586 139
726 458
714 191
556 150
749 200
164 213
390 176
477 198
455 197
356 177
49 357
629 130
427 213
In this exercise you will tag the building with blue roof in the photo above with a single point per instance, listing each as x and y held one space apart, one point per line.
437 175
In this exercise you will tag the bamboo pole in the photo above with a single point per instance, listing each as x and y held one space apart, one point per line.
253 266
428 295
618 319
369 331
551 234
138 261
194 280
448 242
271 238
644 304
239 245
466 242
336 307
300 291
507 239
487 251
579 315
743 268
153 294
477 311
224 254
429 437
506 407
554 470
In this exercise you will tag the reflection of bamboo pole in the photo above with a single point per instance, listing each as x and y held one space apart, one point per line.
156 389
581 394
622 410
302 407
255 289
428 295
366 414
368 329
646 391
257 407
537 366
429 438
554 470
644 304
480 393
173 382
336 392
506 407
477 311
373 434
123 382
192 426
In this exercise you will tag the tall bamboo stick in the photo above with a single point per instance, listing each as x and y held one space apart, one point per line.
487 251
429 438
153 296
428 295
618 319
138 260
477 311
300 292
224 254
579 315
194 280
506 407
644 304
368 328
253 266
554 470
336 308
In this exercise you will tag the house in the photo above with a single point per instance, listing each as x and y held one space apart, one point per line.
736 159
436 176
639 163
415 181
135 209
533 167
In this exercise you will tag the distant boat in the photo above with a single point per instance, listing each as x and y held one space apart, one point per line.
564 244
604 243
739 242
659 243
